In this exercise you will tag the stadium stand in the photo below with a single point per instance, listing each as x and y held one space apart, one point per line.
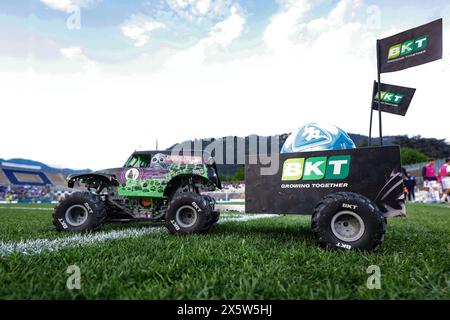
3 180
23 183
58 179
26 177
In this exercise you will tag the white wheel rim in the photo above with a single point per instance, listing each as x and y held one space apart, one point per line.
347 226
76 215
186 216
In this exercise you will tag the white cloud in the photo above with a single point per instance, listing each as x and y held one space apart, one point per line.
289 30
196 10
138 27
224 32
284 23
220 36
322 70
75 54
67 5
71 52
202 6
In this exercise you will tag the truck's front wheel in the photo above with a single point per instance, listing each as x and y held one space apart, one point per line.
348 221
80 211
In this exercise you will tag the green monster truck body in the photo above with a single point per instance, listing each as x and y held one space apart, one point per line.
152 185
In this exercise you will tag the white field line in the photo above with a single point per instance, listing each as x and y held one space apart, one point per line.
31 247
26 208
223 208
230 207
246 217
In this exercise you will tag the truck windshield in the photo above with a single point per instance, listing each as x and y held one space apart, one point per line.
138 161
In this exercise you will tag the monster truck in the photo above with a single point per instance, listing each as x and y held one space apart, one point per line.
151 186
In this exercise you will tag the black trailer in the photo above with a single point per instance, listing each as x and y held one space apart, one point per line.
349 193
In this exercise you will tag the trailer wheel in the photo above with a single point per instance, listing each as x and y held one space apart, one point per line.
80 211
348 221
188 213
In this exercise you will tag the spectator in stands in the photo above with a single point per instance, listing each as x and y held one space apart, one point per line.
9 197
410 184
444 174
429 171
33 194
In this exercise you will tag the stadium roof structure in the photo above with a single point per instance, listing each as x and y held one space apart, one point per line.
21 166
29 175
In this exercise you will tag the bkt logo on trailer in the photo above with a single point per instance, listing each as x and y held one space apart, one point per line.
316 168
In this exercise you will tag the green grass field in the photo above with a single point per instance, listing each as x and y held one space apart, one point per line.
271 258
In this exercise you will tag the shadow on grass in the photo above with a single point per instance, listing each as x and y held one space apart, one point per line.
278 231
284 231
131 224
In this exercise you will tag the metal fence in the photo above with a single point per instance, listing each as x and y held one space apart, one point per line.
228 196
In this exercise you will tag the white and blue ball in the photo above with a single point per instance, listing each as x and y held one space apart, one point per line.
317 136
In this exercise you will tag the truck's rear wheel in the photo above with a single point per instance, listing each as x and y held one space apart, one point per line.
79 211
187 213
213 215
347 220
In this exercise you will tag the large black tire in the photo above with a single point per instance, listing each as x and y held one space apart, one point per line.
215 215
79 212
348 221
188 213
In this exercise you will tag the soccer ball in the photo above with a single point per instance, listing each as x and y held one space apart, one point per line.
317 136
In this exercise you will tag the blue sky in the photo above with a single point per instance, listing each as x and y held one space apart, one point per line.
100 20
260 66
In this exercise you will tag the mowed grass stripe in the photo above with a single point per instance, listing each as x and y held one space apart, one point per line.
38 246
28 224
260 259
26 208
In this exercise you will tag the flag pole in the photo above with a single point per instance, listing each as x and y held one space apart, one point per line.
379 92
371 120
379 110
370 125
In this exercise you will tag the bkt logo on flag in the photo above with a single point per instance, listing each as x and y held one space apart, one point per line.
316 168
410 48
407 47
393 99
389 97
